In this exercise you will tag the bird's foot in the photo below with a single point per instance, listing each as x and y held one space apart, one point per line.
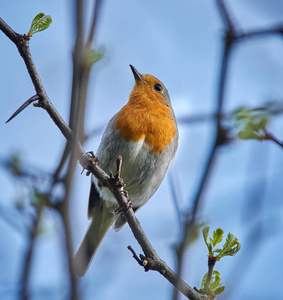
94 161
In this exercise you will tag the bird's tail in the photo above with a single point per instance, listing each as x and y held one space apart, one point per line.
102 219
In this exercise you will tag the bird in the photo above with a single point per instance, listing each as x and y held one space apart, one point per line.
144 132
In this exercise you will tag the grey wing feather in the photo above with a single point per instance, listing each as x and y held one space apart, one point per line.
94 201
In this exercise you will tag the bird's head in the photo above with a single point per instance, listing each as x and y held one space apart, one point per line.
149 88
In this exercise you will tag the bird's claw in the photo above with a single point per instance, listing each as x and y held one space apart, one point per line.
94 160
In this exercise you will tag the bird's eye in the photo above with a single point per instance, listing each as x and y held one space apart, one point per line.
158 87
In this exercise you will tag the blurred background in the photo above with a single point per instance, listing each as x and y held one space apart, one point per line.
180 43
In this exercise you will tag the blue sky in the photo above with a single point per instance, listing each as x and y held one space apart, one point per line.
181 44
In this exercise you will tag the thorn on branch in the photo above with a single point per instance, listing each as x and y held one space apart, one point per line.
26 104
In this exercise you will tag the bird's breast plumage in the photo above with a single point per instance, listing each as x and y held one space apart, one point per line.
152 122
147 152
144 132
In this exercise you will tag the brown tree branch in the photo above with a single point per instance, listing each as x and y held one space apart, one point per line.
96 10
81 72
220 138
22 43
269 136
77 60
226 16
44 102
27 261
231 37
262 32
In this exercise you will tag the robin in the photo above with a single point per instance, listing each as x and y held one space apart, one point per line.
144 132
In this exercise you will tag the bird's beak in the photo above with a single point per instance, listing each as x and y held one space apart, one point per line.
137 75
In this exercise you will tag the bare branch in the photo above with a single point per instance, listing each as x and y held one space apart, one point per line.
21 42
135 256
27 261
220 138
232 36
262 33
269 136
96 10
225 15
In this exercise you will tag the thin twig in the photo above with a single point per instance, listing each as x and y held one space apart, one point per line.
262 32
135 256
175 188
77 54
96 11
156 263
64 212
219 139
77 114
29 254
232 36
211 263
23 48
269 136
226 17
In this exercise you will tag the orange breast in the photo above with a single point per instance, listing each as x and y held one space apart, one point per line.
147 120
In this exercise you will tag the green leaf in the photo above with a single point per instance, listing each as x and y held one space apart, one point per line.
204 279
242 114
210 249
251 123
246 135
94 56
263 122
215 282
217 236
205 233
39 23
215 285
232 250
231 246
36 20
231 238
217 250
219 290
